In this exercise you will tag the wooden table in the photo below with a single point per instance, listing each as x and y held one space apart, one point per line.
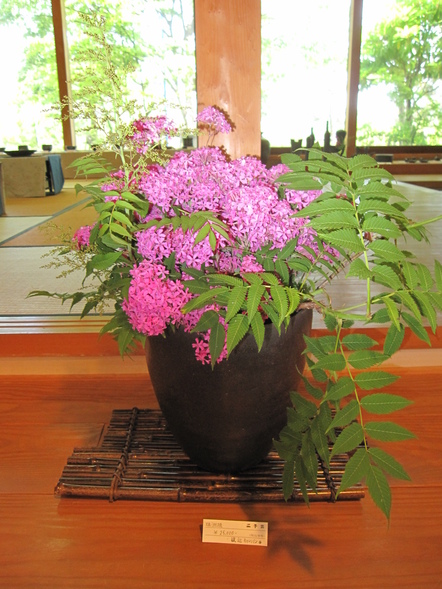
53 403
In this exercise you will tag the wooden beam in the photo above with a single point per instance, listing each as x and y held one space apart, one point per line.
354 56
228 62
63 71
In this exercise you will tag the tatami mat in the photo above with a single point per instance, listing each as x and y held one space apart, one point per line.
15 226
23 268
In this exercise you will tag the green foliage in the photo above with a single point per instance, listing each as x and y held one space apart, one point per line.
405 53
344 367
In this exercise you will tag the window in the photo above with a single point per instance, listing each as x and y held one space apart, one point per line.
155 37
304 69
29 76
400 95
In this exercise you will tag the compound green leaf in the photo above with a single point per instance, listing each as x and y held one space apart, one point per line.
379 489
381 226
384 403
355 470
358 341
386 250
363 359
340 389
237 297
346 415
254 296
258 329
304 407
216 341
236 330
416 327
393 339
333 362
387 431
208 320
280 301
424 276
359 269
388 464
349 439
345 238
375 379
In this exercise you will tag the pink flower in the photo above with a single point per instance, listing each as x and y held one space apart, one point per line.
81 237
153 301
215 119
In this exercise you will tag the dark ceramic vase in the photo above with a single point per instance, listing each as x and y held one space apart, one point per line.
225 419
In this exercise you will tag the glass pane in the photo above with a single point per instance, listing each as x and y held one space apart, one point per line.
304 69
29 76
157 38
400 95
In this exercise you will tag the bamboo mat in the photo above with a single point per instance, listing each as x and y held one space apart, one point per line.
138 458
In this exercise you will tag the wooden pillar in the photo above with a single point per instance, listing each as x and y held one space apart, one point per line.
228 64
354 57
62 58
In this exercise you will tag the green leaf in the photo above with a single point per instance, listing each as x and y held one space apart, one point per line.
340 389
258 329
202 234
359 269
438 274
204 299
236 298
315 347
389 464
311 390
355 470
379 489
410 303
410 274
386 250
383 403
301 477
427 309
346 238
282 270
393 340
320 440
387 276
309 459
288 479
280 301
424 276
393 311
348 439
376 379
381 226
294 299
302 405
333 362
208 320
236 330
216 341
103 261
334 220
346 415
387 431
358 341
416 327
325 206
224 279
254 296
363 359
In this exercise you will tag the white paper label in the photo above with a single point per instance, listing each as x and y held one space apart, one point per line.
246 533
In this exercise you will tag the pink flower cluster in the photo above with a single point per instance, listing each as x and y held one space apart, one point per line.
214 119
81 237
241 195
149 131
154 302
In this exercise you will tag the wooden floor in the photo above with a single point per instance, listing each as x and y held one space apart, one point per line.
58 387
51 404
